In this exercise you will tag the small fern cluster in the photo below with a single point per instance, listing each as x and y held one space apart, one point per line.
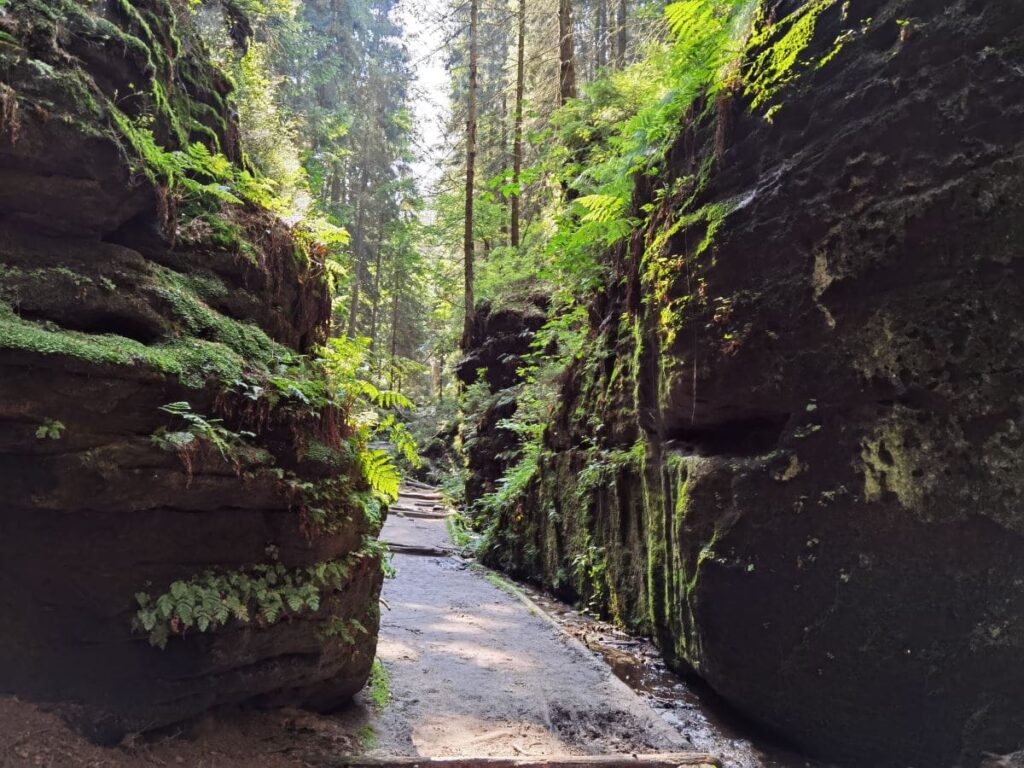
344 630
198 428
261 594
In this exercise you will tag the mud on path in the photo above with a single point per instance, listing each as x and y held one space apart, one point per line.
474 672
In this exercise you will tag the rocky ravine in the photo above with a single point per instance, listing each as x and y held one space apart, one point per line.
500 341
807 482
124 288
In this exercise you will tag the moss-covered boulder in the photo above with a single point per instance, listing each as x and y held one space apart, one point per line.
182 524
806 482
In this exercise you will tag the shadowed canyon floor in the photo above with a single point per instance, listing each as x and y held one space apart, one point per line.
478 669
475 672
481 671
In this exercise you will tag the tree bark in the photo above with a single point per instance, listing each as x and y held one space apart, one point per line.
357 252
396 382
467 240
566 53
621 17
517 138
440 376
375 310
601 35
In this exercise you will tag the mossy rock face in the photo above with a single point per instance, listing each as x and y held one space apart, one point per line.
501 339
121 293
825 520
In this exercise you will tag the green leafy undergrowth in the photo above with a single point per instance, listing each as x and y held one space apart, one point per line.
459 532
368 737
193 173
50 430
193 430
378 690
327 505
346 631
259 595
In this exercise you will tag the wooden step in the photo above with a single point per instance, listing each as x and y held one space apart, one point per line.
419 549
409 483
420 498
405 504
669 760
419 515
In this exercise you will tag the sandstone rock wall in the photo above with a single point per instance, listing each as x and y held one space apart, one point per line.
122 291
502 337
808 481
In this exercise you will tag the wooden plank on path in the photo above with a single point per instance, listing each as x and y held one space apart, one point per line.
410 483
422 515
421 498
669 760
417 549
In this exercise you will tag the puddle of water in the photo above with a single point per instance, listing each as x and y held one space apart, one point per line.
706 723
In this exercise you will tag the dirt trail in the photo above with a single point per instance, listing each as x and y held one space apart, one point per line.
474 672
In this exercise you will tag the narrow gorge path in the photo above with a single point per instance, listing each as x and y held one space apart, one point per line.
476 673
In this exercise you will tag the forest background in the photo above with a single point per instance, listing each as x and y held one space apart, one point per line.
461 152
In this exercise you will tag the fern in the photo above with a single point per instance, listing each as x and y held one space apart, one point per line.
198 427
381 473
692 18
388 399
602 209
264 594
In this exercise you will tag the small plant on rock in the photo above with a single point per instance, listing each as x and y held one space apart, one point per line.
50 430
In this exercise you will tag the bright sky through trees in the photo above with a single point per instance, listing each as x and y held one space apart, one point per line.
424 28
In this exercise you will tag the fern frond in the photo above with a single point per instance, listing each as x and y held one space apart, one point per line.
602 209
381 473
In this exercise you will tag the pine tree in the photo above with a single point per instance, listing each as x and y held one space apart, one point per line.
468 242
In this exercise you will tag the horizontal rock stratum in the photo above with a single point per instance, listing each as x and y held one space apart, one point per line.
155 555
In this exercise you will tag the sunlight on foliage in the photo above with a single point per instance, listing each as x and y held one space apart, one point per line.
596 147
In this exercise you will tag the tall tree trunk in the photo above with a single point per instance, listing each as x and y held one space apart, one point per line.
517 138
440 376
601 35
467 239
621 17
503 164
353 300
334 195
375 310
566 54
395 383
357 252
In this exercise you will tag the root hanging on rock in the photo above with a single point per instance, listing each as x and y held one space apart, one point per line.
10 122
